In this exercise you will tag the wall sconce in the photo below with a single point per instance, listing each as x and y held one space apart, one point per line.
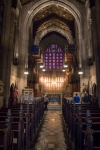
26 69
65 65
43 70
63 70
80 71
41 66
15 59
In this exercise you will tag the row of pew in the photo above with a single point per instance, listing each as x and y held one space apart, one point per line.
82 122
19 125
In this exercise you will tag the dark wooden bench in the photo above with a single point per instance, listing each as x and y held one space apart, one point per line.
81 128
72 121
74 115
92 135
6 134
32 118
16 126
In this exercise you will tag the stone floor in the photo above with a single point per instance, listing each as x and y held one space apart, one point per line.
54 106
51 136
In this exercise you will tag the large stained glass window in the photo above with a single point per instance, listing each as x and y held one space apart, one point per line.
53 57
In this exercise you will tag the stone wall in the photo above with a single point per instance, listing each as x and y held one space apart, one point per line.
54 39
95 14
10 73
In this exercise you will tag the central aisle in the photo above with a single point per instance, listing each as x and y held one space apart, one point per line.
54 106
51 136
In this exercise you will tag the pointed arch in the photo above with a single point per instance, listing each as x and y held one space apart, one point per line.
40 5
41 34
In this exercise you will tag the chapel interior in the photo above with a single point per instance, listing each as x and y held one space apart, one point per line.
49 47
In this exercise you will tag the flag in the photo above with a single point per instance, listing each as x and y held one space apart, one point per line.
35 49
38 59
15 93
71 48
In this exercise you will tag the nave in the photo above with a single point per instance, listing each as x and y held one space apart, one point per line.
30 127
51 135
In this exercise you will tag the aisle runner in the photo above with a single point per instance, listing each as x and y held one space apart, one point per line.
51 136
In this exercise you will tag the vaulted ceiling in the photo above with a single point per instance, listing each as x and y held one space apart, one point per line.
55 22
53 15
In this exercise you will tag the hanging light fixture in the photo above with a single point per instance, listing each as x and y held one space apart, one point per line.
26 69
80 71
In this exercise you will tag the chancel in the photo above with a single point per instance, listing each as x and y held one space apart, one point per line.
49 51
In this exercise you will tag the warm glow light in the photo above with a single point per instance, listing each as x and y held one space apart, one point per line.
43 70
80 72
41 66
26 72
53 83
63 70
67 74
26 69
65 66
53 119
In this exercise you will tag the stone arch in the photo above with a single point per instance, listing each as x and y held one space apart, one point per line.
66 5
41 34
24 38
89 23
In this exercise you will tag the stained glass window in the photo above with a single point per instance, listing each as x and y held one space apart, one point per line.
53 57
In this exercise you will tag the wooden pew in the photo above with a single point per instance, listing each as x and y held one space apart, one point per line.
68 109
72 116
32 118
16 125
95 112
92 135
81 127
6 134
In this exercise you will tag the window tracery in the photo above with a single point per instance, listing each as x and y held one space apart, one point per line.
53 57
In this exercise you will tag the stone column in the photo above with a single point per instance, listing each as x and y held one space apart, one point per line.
8 32
23 59
95 14
90 39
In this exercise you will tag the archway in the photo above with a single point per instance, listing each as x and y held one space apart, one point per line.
66 34
32 12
